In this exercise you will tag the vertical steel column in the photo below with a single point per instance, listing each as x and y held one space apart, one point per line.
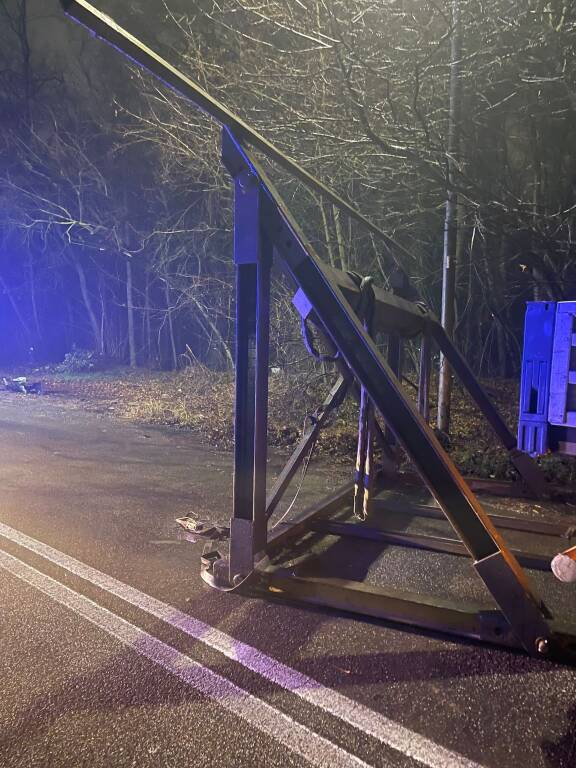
252 256
363 480
261 392
424 374
398 286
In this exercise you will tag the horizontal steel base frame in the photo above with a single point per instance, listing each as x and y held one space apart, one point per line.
466 620
442 544
493 487
471 621
505 522
463 620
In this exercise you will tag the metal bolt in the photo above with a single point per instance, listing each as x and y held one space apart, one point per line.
543 646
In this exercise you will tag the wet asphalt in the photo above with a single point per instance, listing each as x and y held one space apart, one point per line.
108 493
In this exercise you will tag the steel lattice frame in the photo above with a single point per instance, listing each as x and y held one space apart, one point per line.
263 230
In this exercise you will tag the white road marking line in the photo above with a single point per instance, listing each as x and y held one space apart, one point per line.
379 727
296 737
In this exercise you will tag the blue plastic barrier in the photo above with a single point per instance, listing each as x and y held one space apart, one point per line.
562 406
548 387
535 383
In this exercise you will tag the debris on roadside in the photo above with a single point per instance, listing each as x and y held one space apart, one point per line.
21 384
199 529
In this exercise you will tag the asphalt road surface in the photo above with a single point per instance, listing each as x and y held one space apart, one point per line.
114 652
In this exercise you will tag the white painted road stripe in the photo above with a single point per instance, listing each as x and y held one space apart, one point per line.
296 737
358 716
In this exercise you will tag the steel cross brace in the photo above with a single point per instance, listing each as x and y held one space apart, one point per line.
309 436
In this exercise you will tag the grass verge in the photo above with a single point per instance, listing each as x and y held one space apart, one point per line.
202 400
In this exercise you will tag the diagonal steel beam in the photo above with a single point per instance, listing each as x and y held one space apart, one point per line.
524 464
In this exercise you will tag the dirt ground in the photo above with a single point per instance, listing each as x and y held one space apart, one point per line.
202 400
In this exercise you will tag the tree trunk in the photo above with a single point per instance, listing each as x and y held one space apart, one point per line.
33 301
96 330
344 266
451 220
6 290
226 351
148 320
327 233
170 326
130 311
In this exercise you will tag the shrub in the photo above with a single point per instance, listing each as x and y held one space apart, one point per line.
79 361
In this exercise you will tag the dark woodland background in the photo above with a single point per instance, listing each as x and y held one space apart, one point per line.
115 216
